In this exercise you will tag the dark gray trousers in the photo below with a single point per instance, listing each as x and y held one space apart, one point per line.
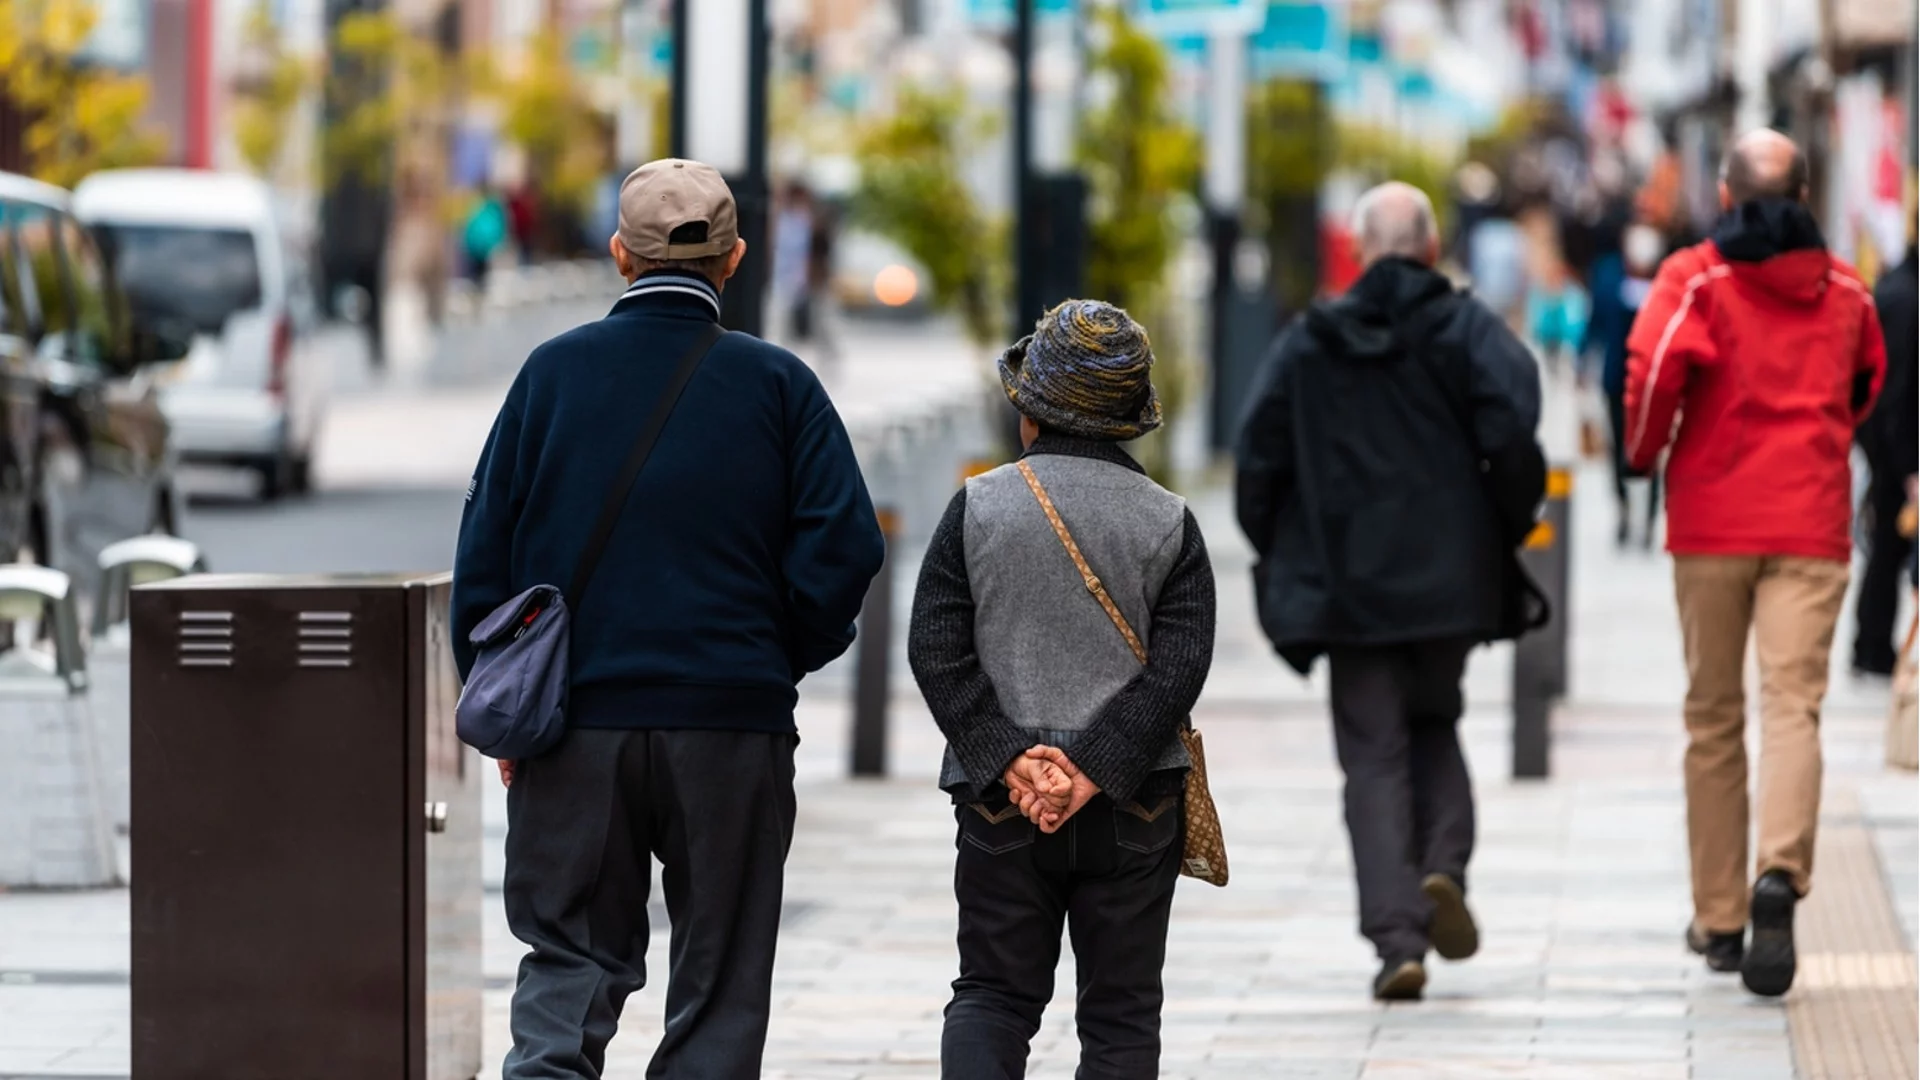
1396 715
584 823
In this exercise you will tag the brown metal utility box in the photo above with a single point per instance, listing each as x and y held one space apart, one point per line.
306 831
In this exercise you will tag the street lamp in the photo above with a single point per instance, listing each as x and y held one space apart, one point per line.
1225 184
1050 231
720 118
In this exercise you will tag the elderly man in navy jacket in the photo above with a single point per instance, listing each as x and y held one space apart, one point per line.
738 565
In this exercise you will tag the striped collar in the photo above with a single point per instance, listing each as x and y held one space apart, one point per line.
672 282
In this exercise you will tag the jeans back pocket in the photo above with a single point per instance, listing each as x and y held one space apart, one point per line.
995 828
1150 827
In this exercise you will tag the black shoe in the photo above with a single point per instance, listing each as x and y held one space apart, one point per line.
1769 964
1452 931
1400 980
1723 951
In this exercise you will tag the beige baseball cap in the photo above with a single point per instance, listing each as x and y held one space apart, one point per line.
675 209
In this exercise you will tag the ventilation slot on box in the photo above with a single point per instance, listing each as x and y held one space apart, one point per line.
326 639
206 639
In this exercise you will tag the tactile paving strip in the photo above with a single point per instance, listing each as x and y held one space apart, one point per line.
1852 1012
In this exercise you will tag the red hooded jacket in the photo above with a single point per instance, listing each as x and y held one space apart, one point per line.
1756 356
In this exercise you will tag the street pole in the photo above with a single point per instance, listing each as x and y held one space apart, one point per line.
1540 656
720 118
1050 234
873 659
1226 185
355 213
1028 304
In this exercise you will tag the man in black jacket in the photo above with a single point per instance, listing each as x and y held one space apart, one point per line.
1387 471
1891 442
737 567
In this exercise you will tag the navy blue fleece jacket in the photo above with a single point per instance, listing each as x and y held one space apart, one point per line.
745 547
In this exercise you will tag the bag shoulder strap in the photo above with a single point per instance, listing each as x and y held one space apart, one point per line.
650 431
1087 575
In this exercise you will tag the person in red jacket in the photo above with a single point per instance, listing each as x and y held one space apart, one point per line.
1755 357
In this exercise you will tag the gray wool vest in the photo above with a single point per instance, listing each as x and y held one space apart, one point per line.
1054 656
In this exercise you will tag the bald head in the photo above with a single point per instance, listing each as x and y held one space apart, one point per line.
1763 164
1395 219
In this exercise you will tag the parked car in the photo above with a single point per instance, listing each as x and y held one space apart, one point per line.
221 249
85 453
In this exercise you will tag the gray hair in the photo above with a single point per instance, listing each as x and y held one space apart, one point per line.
1395 219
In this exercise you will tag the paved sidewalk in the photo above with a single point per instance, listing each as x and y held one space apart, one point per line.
1580 885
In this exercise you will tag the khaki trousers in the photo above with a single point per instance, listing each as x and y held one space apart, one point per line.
1790 606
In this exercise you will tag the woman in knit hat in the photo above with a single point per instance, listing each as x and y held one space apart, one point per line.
1063 753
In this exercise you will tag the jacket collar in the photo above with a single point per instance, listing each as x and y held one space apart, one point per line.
1758 230
1051 442
1775 244
671 290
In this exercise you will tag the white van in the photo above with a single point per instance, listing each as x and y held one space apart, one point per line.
219 249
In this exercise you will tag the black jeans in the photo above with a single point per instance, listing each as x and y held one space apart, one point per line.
1874 646
1108 876
584 823
1396 714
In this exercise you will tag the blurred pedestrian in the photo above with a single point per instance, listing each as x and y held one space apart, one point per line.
1764 347
1891 440
1621 282
485 230
1064 758
734 565
1557 313
1387 473
820 243
792 248
1497 262
523 218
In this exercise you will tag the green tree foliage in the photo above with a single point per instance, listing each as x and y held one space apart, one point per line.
387 77
1289 142
80 118
567 141
1139 158
912 191
265 97
1290 148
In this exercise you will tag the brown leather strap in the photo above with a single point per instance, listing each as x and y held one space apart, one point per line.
1087 575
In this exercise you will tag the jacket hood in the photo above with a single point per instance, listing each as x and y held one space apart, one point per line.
1368 322
1775 244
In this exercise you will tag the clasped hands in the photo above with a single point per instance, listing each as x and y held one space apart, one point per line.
1048 787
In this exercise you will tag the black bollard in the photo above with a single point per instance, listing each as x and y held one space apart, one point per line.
1540 658
872 682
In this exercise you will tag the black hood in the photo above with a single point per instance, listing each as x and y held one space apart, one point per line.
1368 322
1758 230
